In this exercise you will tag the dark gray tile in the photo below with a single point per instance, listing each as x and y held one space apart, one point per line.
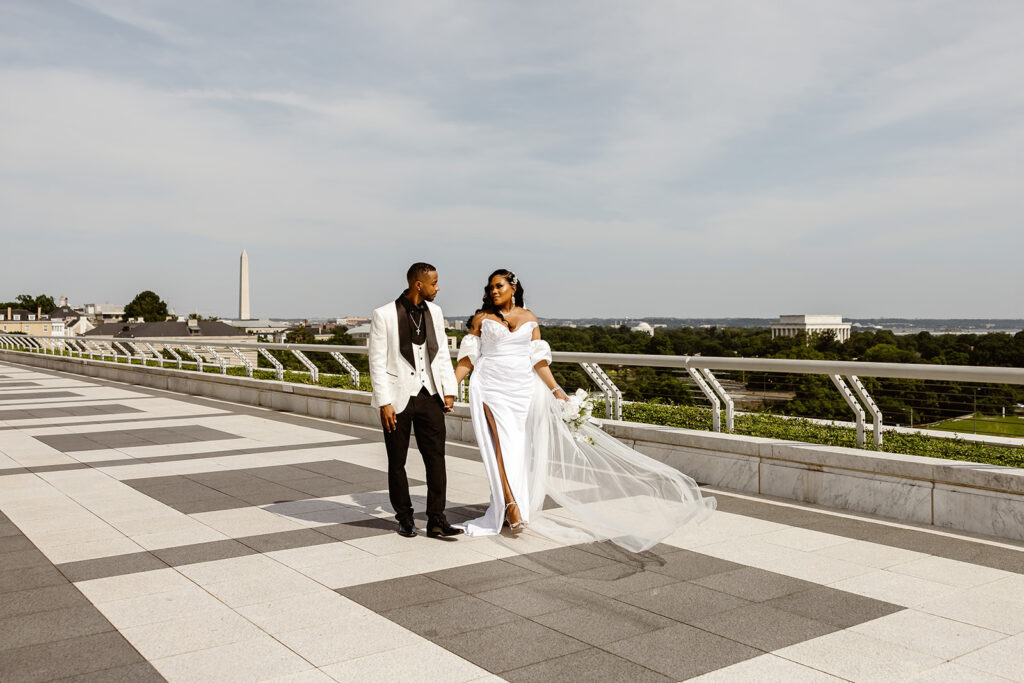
381 596
87 441
683 601
202 552
593 666
511 645
449 617
285 540
263 493
763 627
359 529
19 559
756 585
49 626
484 576
4 386
545 595
832 606
618 579
142 672
64 658
30 577
116 565
7 530
682 651
559 561
41 600
603 621
686 565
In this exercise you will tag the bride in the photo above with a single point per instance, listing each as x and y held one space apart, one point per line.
601 489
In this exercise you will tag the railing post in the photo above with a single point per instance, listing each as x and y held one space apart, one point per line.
245 361
353 374
720 390
612 395
128 354
709 394
876 414
192 352
174 354
278 368
851 401
314 372
159 356
217 357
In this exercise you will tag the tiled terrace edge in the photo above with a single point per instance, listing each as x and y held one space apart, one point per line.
958 495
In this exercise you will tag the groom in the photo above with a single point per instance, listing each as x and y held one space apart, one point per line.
413 386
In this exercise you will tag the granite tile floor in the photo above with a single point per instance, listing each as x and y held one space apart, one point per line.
146 535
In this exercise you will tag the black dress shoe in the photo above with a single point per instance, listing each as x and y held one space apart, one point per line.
440 527
407 529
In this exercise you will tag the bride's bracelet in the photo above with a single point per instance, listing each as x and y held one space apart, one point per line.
556 389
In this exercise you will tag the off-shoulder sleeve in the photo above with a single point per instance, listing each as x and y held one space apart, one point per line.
470 348
540 350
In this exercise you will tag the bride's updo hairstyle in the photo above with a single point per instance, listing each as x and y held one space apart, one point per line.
488 306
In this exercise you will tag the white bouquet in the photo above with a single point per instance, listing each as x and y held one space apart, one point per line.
576 412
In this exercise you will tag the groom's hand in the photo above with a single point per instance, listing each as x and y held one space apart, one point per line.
449 404
388 419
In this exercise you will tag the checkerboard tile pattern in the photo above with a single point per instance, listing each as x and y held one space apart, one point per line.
146 535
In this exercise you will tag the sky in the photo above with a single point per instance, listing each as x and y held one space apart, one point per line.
687 159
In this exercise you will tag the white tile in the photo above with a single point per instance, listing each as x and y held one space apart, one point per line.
168 539
927 633
422 662
216 571
309 676
198 631
90 550
857 657
980 609
245 522
803 539
248 660
433 559
157 607
254 590
1004 658
301 612
898 589
870 554
311 556
766 668
951 672
355 571
355 636
134 585
950 572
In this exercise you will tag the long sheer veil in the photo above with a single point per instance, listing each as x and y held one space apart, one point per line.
604 489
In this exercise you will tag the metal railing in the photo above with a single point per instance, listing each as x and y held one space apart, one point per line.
701 370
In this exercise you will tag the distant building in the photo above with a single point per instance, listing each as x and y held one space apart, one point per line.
451 324
102 313
75 323
262 328
792 325
351 321
28 322
213 330
361 335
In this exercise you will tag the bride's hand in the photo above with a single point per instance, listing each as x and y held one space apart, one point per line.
561 395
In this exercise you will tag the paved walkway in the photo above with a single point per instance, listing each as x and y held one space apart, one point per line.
149 536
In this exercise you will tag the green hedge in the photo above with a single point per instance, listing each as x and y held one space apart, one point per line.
796 429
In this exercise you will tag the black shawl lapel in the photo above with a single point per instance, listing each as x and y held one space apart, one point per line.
404 334
431 337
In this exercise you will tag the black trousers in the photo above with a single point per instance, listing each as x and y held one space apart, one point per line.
425 412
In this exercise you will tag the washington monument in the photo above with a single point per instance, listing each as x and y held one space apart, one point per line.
243 288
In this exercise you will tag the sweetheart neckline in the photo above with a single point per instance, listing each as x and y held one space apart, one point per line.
492 320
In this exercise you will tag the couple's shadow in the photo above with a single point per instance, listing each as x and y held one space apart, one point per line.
369 514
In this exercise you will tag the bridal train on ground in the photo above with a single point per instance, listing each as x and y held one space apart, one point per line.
600 488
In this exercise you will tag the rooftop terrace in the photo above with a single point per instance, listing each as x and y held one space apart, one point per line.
148 535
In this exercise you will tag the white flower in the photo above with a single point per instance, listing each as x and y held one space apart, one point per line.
577 410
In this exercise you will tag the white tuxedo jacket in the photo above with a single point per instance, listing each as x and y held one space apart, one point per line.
392 366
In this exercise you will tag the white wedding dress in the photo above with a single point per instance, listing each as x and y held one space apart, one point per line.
602 489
